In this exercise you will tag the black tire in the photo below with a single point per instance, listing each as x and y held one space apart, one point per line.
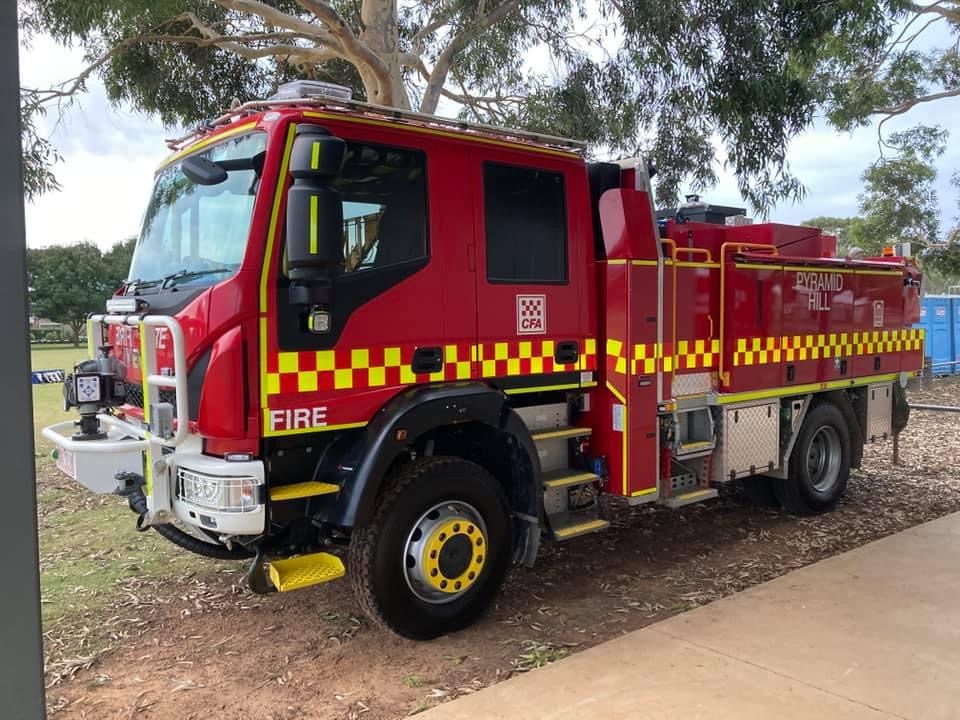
819 464
758 490
383 578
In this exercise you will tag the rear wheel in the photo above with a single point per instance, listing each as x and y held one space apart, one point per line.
435 553
819 463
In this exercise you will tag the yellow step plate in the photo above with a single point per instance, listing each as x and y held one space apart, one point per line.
572 531
302 490
562 433
305 570
567 478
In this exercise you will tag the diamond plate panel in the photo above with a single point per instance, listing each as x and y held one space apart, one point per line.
879 412
749 441
544 417
300 572
692 384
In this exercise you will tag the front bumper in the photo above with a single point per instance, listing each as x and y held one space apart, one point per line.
180 482
95 464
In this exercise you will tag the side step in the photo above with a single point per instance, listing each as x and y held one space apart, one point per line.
297 491
690 497
566 526
567 478
305 570
569 432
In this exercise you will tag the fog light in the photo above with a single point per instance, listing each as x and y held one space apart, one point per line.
223 494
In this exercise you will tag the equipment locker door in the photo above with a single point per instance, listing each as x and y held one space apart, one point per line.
532 230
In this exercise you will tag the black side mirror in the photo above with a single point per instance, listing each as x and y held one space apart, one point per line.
202 171
314 236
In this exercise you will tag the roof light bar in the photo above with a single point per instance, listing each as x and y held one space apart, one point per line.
299 89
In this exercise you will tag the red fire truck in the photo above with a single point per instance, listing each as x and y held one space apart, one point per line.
416 348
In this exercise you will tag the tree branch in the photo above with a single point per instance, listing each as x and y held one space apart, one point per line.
236 43
913 102
355 50
466 98
432 25
438 78
950 13
277 18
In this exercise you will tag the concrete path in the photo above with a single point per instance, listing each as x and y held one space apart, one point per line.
873 633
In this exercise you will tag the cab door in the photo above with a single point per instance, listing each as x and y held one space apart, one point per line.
403 306
531 236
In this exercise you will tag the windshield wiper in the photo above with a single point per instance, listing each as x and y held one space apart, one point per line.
137 284
172 279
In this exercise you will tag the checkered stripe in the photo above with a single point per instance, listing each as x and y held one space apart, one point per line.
646 358
530 357
792 348
298 372
698 354
616 357
703 354
361 368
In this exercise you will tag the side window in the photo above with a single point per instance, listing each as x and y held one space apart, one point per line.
526 225
384 192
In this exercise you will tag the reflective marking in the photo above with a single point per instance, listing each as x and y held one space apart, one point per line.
313 223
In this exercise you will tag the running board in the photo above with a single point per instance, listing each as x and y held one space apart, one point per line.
297 491
304 570
566 526
569 432
690 497
566 478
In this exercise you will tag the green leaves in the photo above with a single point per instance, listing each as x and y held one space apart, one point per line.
686 81
69 281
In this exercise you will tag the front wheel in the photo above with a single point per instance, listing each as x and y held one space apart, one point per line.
819 463
436 550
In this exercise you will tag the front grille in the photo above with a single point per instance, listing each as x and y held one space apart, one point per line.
135 396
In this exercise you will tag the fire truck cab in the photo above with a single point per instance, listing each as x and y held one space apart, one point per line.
359 338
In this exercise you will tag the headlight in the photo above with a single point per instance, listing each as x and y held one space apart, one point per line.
222 494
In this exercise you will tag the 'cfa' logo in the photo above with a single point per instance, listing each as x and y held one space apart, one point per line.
531 314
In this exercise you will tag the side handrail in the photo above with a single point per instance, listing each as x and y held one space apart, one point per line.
694 251
723 373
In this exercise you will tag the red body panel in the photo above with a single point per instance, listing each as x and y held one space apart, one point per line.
653 321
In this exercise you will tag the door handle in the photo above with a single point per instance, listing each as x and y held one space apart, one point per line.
567 352
427 360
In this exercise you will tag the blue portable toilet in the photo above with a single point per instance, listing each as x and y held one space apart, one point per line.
955 313
924 324
937 316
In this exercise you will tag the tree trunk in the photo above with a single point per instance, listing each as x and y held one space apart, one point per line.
380 32
75 328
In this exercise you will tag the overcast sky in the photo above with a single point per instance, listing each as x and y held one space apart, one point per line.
109 155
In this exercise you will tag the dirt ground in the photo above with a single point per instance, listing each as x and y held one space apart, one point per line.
199 645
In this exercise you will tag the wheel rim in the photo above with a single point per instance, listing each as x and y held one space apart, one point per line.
445 552
823 458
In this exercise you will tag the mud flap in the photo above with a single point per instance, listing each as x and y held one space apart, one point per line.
901 408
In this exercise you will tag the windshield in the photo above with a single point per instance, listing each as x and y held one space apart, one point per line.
196 234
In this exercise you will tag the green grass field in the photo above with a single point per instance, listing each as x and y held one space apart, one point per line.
48 399
90 554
